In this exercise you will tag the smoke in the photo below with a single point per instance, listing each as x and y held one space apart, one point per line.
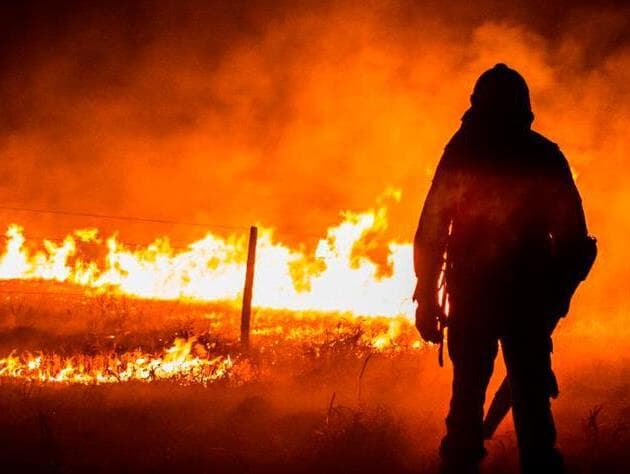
286 113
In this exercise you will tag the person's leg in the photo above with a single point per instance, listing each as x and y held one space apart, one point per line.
528 361
473 353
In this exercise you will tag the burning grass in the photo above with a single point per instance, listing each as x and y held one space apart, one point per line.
316 392
105 339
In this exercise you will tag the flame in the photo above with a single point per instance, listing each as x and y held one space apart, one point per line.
340 276
353 270
177 362
387 339
187 361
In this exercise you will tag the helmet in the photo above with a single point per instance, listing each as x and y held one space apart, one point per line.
502 93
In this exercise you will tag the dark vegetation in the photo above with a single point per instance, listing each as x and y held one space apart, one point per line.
320 397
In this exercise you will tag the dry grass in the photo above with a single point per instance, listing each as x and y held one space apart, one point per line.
323 399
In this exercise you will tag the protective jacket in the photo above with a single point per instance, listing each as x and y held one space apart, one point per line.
504 207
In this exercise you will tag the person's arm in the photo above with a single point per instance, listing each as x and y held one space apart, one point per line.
567 226
429 246
567 221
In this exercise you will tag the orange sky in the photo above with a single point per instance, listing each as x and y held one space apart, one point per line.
286 115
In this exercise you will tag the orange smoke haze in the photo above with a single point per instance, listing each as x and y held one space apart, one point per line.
286 115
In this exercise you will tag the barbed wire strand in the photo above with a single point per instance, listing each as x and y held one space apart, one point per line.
151 220
122 218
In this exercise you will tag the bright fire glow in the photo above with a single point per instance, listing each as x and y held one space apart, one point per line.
338 277
189 361
178 362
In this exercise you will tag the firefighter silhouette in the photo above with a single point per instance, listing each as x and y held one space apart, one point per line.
503 227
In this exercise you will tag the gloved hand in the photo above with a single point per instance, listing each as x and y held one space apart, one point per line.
428 313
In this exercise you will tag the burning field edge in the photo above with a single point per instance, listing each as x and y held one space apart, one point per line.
112 339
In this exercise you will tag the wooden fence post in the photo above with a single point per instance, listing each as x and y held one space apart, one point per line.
249 286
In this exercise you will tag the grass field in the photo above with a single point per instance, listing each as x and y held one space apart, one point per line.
315 393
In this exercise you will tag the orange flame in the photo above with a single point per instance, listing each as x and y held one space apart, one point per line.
177 362
343 277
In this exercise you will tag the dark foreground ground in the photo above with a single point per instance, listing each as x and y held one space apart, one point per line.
283 427
318 404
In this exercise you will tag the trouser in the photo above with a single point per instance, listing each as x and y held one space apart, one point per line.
527 355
